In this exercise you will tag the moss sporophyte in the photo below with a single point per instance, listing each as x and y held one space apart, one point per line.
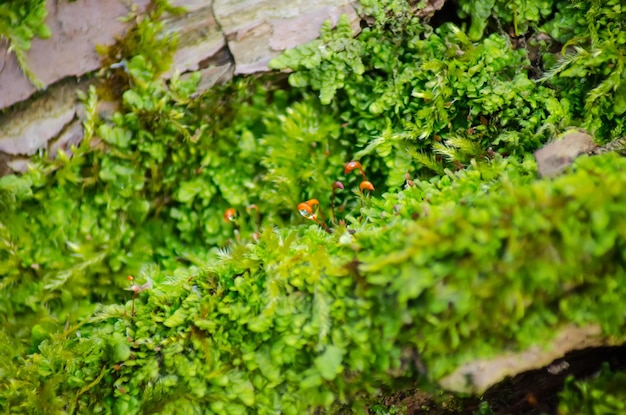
460 253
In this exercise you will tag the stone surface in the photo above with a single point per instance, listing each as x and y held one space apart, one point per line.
258 30
29 129
72 134
77 27
199 35
618 145
18 164
430 8
192 5
553 158
477 376
215 70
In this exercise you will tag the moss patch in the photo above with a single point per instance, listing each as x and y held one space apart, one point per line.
460 252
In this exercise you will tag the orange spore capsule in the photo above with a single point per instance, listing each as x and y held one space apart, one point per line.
229 214
306 211
366 185
312 202
351 165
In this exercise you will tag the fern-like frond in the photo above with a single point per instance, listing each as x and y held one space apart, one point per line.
466 146
449 153
109 311
427 160
568 60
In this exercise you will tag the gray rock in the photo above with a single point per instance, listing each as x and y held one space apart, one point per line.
258 30
26 131
430 7
71 135
553 158
219 38
215 70
199 36
18 165
77 27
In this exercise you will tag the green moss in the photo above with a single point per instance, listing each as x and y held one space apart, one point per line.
304 319
145 49
603 394
518 16
428 272
448 99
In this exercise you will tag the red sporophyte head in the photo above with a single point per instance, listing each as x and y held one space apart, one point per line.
312 202
306 211
365 185
230 214
352 165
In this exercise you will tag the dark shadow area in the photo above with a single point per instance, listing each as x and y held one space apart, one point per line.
448 14
536 391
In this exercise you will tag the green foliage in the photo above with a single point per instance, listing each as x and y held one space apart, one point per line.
593 34
521 14
416 99
409 285
384 410
20 22
410 89
143 53
603 394
151 184
484 409
302 319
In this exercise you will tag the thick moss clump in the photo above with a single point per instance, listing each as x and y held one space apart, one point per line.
459 253
302 319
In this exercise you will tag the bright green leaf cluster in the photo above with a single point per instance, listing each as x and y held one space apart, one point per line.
602 395
521 14
408 285
302 319
416 98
